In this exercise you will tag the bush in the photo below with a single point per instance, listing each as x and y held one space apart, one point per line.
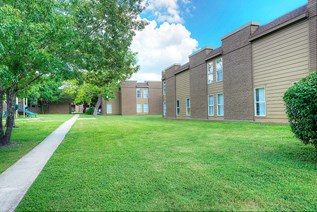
301 109
90 111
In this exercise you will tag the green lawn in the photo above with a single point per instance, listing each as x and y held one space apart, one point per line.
147 163
31 131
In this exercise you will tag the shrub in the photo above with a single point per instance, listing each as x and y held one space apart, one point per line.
90 111
301 109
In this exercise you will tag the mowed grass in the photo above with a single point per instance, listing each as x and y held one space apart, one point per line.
31 132
147 163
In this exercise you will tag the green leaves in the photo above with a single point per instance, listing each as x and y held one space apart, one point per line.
301 108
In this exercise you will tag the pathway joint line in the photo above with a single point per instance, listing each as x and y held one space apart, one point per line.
17 179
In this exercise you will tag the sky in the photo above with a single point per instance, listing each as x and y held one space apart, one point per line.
177 28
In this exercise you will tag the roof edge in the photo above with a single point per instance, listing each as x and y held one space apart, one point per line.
298 18
200 50
241 28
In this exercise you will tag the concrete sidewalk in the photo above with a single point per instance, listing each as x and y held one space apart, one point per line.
17 179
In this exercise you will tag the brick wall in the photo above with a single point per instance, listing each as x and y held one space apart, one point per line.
312 10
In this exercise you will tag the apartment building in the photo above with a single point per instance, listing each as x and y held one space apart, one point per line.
135 98
245 78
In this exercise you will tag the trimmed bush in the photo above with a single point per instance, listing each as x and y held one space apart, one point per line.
301 109
90 111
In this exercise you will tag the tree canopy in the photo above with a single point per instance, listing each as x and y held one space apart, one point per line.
64 39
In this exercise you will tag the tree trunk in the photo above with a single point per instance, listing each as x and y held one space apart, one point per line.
97 106
85 107
10 94
42 106
1 123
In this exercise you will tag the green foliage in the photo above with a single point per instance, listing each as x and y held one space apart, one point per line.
90 111
301 109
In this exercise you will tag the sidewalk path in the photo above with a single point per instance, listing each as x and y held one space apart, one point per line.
16 180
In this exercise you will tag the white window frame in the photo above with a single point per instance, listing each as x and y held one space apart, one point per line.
188 108
137 108
255 102
164 88
218 70
147 93
109 111
223 105
138 91
147 109
213 105
177 108
210 72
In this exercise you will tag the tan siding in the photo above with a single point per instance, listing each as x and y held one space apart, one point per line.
182 91
213 89
279 60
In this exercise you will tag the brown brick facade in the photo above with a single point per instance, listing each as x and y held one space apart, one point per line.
239 66
126 99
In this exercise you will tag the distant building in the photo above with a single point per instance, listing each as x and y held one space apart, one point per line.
135 98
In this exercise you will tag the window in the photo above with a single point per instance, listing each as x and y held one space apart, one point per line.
109 108
210 72
219 70
138 93
220 109
259 100
164 88
211 105
177 108
139 108
164 108
145 93
145 107
187 107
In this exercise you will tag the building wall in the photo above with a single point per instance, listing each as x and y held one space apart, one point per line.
128 98
213 89
155 98
198 84
116 105
279 60
237 75
312 11
182 92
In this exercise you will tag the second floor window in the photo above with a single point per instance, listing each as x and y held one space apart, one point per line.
210 72
145 93
138 93
219 70
164 88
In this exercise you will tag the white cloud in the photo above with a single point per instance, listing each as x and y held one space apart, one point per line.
167 10
161 46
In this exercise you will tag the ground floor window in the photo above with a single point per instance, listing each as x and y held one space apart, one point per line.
177 108
220 103
259 100
211 105
164 108
139 108
109 108
145 107
187 107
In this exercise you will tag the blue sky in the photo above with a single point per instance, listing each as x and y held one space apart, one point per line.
213 19
179 27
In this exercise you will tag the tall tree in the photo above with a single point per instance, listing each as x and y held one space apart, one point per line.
57 38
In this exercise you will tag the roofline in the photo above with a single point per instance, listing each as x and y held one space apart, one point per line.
175 64
298 18
200 50
213 56
239 29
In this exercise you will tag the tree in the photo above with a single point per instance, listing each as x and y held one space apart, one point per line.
301 109
35 41
55 38
107 41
